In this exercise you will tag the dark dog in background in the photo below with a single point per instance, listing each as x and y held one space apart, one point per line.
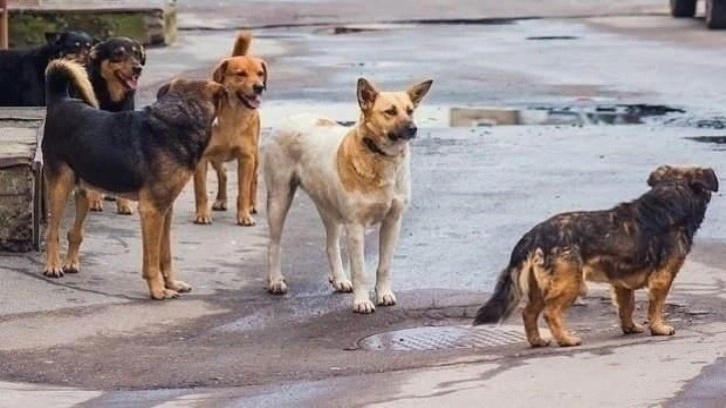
22 71
147 156
114 68
638 244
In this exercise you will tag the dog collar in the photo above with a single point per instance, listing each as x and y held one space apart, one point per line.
371 145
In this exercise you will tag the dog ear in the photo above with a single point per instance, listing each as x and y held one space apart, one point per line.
657 175
163 90
417 92
52 37
367 94
538 257
264 77
220 71
142 53
705 179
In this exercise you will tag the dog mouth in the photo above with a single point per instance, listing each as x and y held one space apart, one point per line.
251 101
129 81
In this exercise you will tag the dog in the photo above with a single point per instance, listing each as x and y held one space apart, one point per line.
146 156
638 244
237 136
22 71
114 68
357 177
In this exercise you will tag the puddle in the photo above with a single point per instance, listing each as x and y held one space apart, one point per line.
617 114
443 338
553 37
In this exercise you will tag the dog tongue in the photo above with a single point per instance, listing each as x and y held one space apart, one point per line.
132 82
254 101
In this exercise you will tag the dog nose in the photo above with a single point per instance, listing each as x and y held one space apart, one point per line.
137 70
410 131
258 88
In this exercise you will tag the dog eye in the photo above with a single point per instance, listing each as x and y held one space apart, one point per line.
118 53
88 44
409 111
261 73
243 74
78 45
392 111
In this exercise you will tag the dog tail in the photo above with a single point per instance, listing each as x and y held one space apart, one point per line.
505 299
242 44
61 75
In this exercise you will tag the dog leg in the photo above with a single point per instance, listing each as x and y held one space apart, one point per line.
253 186
59 187
659 284
245 173
152 225
75 235
356 248
220 204
279 198
559 296
167 270
123 206
530 315
625 302
336 276
200 194
390 230
95 200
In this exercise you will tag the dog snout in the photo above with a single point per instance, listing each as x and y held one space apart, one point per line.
258 88
137 69
409 132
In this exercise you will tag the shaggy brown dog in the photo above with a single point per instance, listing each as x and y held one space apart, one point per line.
146 156
635 245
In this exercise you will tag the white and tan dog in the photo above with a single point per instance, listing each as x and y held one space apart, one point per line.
357 177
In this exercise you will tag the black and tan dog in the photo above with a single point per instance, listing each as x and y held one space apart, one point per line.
638 244
114 68
147 156
22 71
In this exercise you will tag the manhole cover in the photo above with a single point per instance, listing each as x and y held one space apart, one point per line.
445 337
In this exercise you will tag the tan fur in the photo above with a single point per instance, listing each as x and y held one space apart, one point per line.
236 137
80 79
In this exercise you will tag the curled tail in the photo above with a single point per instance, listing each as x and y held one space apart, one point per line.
505 299
242 44
61 75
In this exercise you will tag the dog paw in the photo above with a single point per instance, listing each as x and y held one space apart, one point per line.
71 266
124 209
203 219
385 298
569 341
219 205
53 271
634 329
537 343
662 330
178 286
245 220
277 287
95 206
341 285
363 306
164 294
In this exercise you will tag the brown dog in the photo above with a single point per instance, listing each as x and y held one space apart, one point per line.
236 137
638 244
146 156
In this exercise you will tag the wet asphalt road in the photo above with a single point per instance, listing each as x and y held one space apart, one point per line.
475 192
